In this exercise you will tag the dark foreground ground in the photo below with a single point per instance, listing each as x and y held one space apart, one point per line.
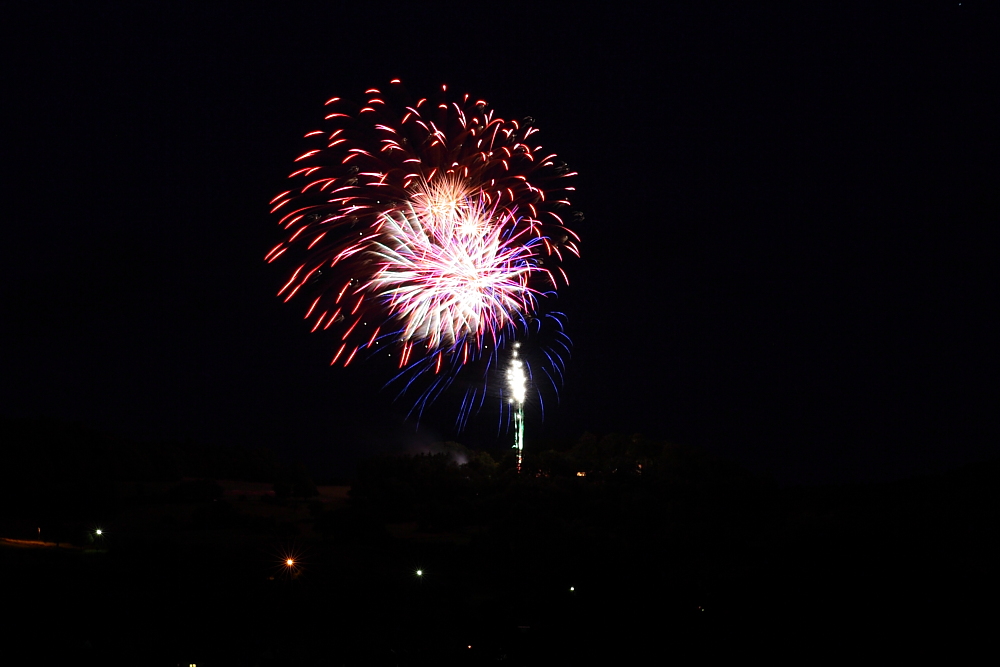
619 549
516 571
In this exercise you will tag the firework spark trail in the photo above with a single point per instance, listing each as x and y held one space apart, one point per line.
517 383
430 229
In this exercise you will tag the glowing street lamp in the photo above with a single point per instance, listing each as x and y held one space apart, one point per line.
288 565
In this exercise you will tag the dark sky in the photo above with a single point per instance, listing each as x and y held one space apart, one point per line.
791 217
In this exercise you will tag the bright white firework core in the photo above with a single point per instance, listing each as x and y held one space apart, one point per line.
449 268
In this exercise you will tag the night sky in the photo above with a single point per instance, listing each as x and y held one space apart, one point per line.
791 221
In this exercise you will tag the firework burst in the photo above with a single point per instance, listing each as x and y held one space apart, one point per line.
431 230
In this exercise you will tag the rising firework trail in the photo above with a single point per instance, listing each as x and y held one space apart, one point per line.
516 385
428 232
